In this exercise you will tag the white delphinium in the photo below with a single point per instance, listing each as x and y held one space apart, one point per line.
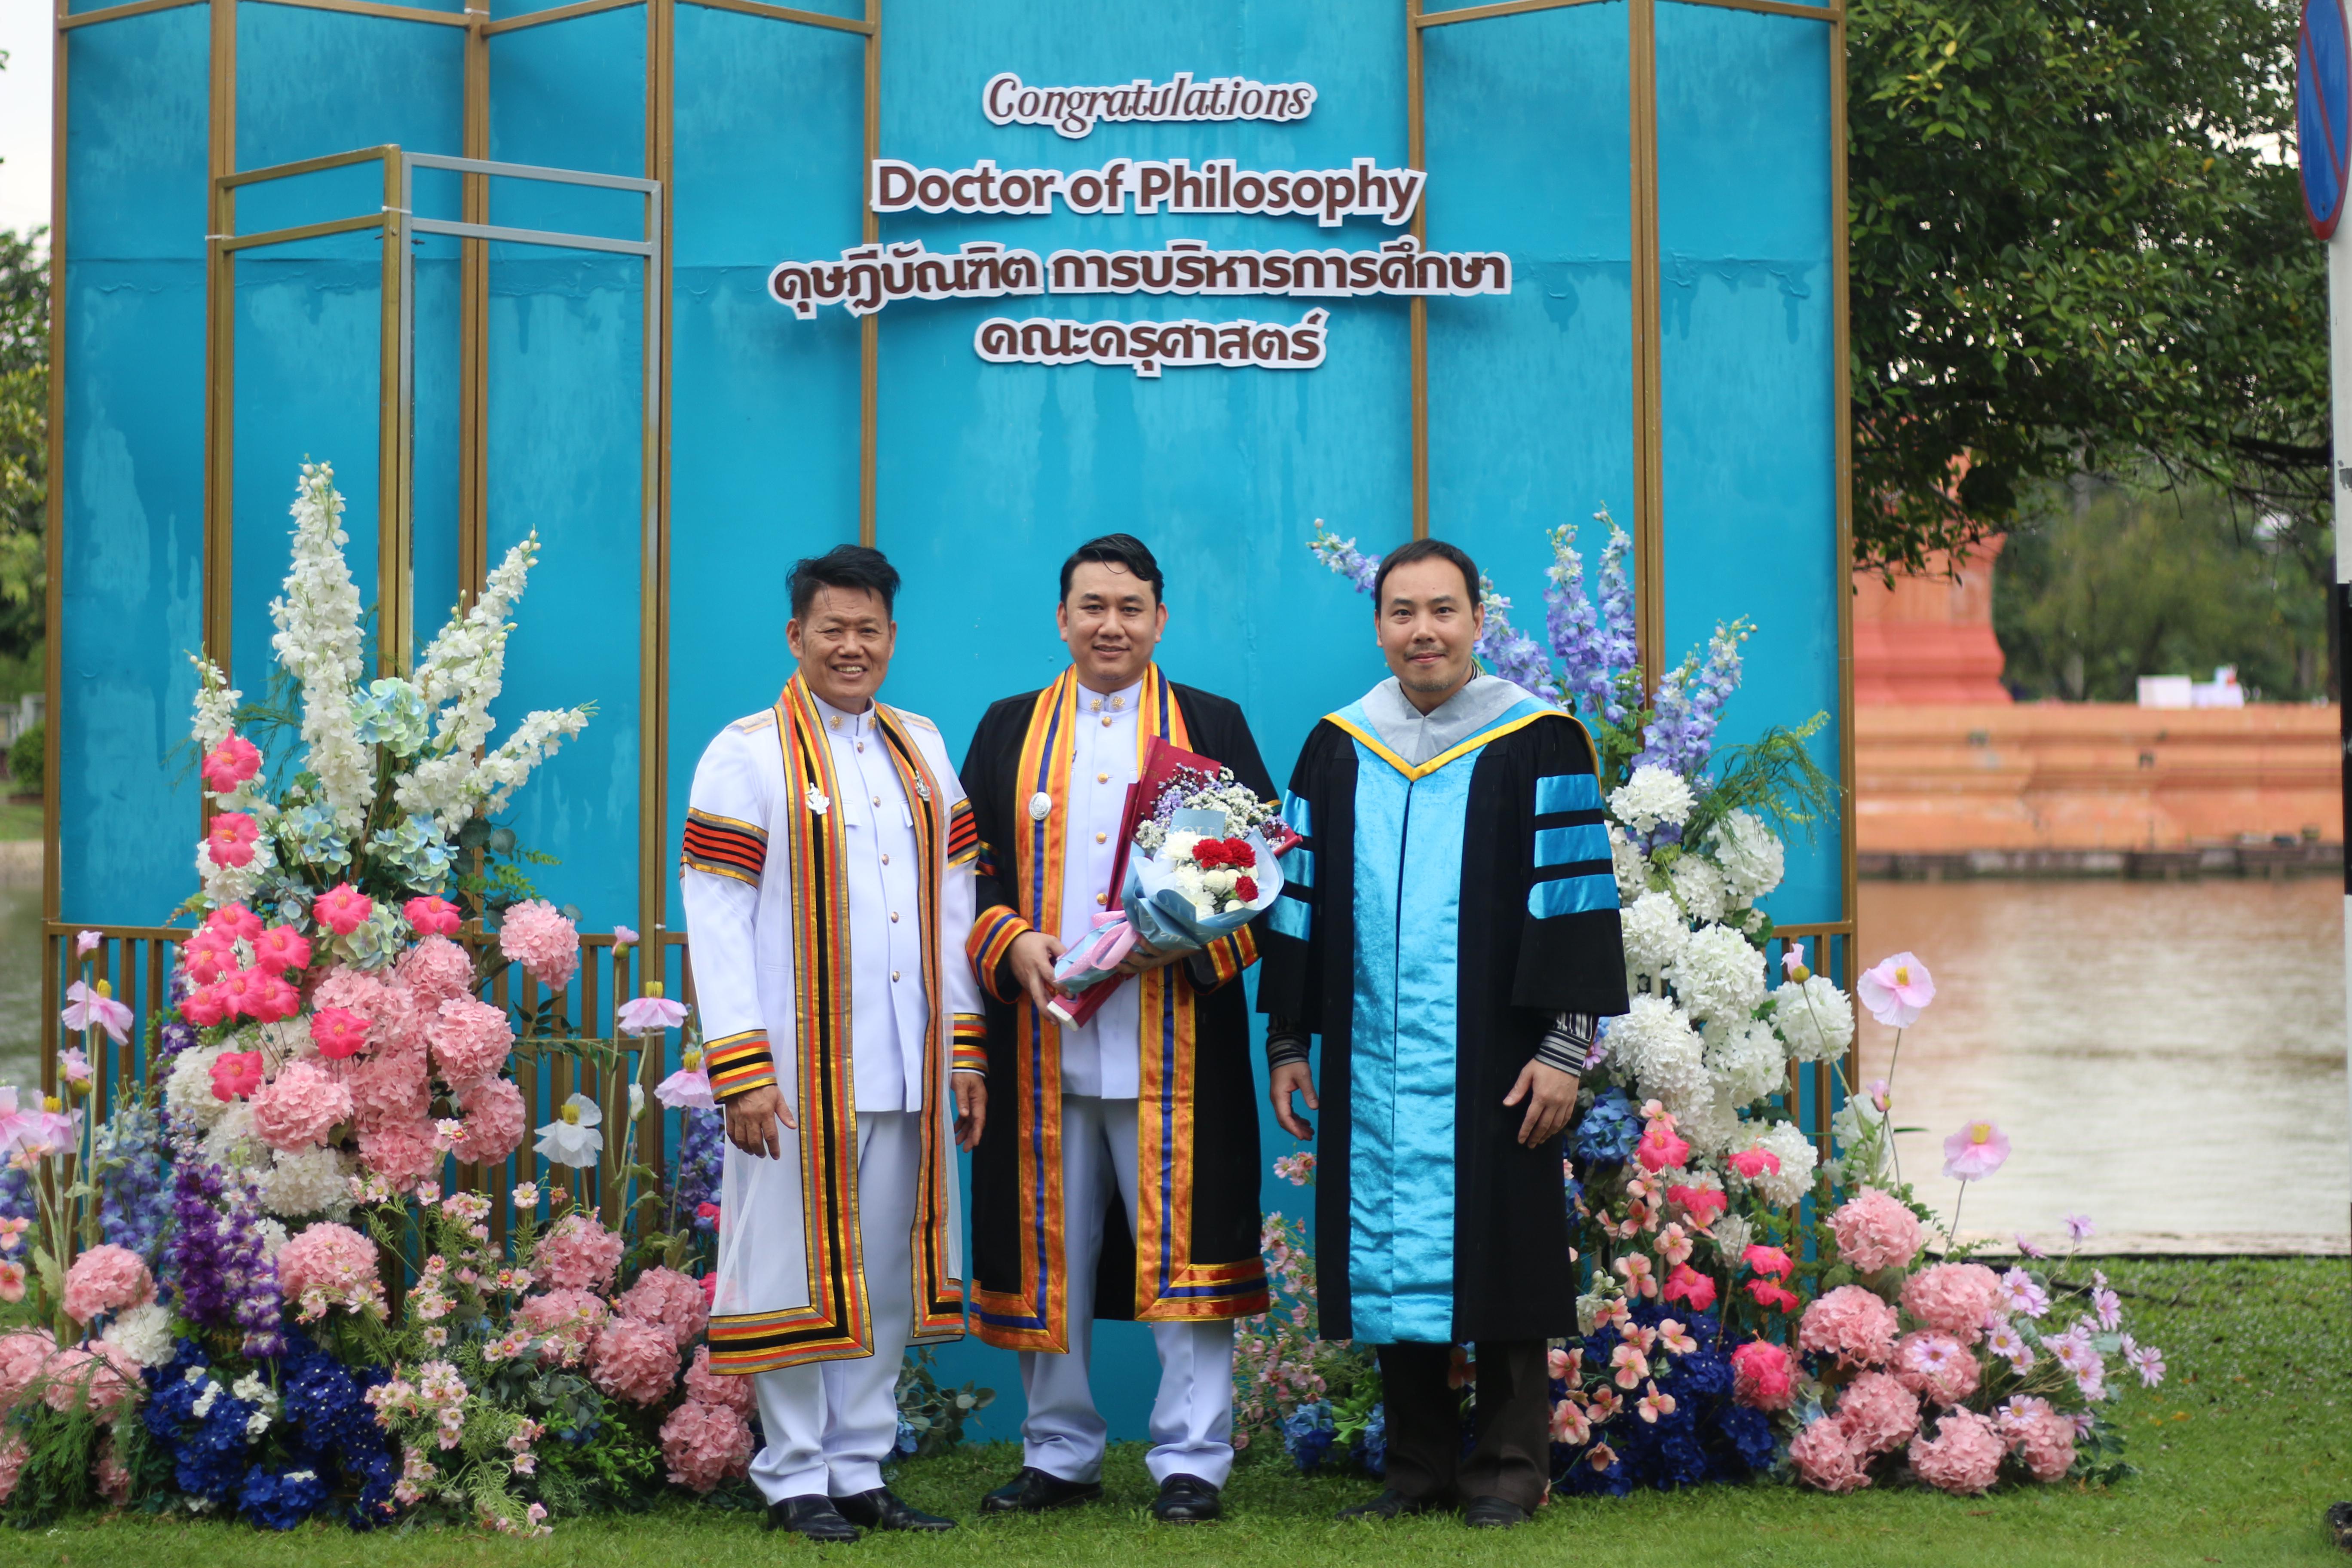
318 644
1733 1236
535 739
1655 932
1747 1061
188 1090
1631 867
1816 1018
255 1390
217 702
1699 888
307 1181
1787 1142
1719 975
1652 795
143 1333
1752 857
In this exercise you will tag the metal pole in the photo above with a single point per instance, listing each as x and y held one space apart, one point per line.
2339 370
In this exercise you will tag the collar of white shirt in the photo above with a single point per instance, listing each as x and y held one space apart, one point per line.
1121 702
845 723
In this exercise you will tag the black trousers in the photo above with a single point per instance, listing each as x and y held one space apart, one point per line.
1511 1456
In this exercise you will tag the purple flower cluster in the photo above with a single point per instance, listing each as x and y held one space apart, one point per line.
701 1154
133 1205
1690 701
225 1276
1510 652
1596 647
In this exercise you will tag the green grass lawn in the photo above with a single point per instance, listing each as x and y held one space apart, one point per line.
2240 1453
20 821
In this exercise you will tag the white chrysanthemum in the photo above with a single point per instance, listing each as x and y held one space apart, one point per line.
1655 932
1781 1188
1709 1121
1719 975
1652 796
1633 866
143 1333
307 1181
319 643
1747 1061
1699 889
232 1139
1752 857
1649 1022
1733 1235
188 1090
1816 1019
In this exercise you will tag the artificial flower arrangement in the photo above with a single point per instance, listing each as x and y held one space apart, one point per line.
274 1312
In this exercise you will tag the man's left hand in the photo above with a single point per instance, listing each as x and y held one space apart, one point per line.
1143 956
1550 1095
972 1109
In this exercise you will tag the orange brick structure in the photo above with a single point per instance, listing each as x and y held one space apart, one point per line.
1945 765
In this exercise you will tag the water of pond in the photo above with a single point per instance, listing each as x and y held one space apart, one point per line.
2164 1057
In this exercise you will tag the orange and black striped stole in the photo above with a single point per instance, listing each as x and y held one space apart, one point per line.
963 834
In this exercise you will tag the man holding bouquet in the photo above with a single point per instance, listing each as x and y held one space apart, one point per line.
1120 1176
1448 925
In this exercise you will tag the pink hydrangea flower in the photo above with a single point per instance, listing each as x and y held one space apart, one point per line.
103 1378
436 970
578 1253
230 838
1763 1375
106 1279
570 1317
338 1032
470 1040
672 1299
1826 1458
1963 1457
1975 1151
1879 1414
301 1106
705 1444
2041 1435
236 1074
230 764
23 1353
635 1361
494 1121
537 936
1954 1299
1876 1231
282 948
386 1087
13 1452
1937 1366
730 1389
1850 1323
432 916
1896 990
330 1265
400 1151
344 908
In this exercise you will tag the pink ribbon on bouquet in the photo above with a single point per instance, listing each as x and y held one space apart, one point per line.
1103 950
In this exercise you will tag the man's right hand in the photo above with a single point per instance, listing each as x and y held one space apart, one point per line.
753 1118
1031 957
1288 1078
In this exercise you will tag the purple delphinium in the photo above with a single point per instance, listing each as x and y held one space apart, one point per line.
197 1249
1689 702
1621 652
1342 556
1573 627
177 1035
1511 653
701 1154
250 1276
133 1205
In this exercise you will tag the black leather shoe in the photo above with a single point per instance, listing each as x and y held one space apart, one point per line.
883 1509
1186 1499
1034 1492
813 1517
1492 1513
1390 1504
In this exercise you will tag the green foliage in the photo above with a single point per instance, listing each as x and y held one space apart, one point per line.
2124 583
57 1477
1772 776
24 437
2072 244
935 1413
26 755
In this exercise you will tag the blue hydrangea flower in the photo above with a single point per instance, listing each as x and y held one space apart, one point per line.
391 713
1608 1129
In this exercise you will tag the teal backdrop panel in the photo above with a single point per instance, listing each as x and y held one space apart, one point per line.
131 482
1747 344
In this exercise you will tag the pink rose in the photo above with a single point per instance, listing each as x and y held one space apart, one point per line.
236 1074
344 908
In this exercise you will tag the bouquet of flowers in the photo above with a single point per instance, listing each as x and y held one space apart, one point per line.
1197 863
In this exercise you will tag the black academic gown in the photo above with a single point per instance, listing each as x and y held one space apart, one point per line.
1433 924
1193 1252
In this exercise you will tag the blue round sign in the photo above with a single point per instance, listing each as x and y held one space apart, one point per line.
2323 111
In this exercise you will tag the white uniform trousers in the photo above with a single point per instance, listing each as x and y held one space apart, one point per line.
1192 1419
830 1423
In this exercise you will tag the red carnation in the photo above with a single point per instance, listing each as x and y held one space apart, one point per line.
1245 889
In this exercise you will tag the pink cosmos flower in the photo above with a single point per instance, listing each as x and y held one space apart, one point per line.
623 936
2026 1249
1763 1375
1975 1151
1673 1245
1937 1366
1568 1423
73 1065
1770 1261
1753 1162
1792 958
2079 1228
1896 991
2019 1293
282 948
2146 1360
650 1013
1674 1339
12 1281
230 838
1882 1094
338 1032
1653 1404
1564 1366
1635 1271
1631 1366
230 764
432 916
2001 1339
89 1007
236 1074
344 908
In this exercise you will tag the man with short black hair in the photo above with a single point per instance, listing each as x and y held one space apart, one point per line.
1448 925
828 890
1146 1112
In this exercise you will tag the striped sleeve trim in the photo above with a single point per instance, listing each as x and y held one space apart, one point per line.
1228 956
739 1064
971 1044
724 846
993 936
963 834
